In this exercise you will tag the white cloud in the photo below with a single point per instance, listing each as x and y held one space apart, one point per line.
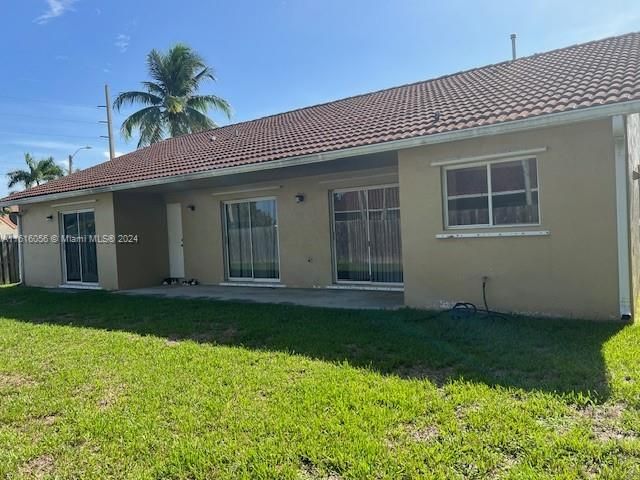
122 42
44 145
117 154
56 9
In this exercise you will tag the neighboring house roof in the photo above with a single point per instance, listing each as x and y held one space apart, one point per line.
5 220
592 74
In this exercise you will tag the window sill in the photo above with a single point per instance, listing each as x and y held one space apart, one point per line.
370 287
521 233
80 286
262 284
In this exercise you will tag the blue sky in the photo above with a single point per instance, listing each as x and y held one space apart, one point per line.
270 56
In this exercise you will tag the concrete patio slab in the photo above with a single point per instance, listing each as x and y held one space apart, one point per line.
321 297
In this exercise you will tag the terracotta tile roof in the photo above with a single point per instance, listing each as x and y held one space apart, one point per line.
580 76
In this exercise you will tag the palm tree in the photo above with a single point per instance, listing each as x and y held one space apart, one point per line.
172 104
39 171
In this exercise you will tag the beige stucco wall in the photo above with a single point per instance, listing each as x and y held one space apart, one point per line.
304 229
42 261
143 262
633 149
571 272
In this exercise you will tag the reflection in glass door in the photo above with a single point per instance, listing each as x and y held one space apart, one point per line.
79 247
252 240
366 228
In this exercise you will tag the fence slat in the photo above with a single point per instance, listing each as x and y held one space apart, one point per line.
9 268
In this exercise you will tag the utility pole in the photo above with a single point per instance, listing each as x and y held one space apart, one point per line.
88 147
112 150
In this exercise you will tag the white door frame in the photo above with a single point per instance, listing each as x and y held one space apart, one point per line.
333 235
175 240
226 241
63 250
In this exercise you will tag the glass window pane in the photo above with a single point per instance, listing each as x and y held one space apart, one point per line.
469 211
70 224
386 249
264 235
71 247
379 198
347 201
88 253
239 240
351 242
515 208
375 199
467 181
517 175
392 197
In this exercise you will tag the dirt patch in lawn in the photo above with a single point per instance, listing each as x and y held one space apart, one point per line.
425 434
110 396
606 421
38 467
308 471
15 380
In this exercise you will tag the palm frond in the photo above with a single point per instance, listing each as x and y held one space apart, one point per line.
198 121
30 161
129 98
198 78
151 127
155 89
20 176
136 120
156 66
203 103
49 170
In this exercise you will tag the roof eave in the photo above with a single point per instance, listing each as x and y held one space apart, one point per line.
540 121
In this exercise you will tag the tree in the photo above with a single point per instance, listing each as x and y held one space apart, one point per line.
172 105
39 172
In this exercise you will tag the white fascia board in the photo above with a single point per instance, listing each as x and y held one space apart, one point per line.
546 120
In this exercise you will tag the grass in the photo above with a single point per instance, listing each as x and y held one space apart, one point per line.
98 385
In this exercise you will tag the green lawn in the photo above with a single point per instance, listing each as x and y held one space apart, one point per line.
98 385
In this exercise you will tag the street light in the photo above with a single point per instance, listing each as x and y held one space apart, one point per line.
88 147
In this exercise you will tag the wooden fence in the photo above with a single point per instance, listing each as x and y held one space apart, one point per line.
9 261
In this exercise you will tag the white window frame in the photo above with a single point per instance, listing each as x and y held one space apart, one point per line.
333 236
63 251
226 242
487 164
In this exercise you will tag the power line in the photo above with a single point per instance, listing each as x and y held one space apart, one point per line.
45 102
50 134
52 119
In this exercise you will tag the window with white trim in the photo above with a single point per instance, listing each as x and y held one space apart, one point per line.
492 194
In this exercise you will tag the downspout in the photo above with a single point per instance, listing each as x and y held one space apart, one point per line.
622 215
20 251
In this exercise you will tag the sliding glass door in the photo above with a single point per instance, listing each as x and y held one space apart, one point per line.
79 247
366 228
252 240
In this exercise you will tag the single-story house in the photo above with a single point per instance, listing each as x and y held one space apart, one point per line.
521 174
